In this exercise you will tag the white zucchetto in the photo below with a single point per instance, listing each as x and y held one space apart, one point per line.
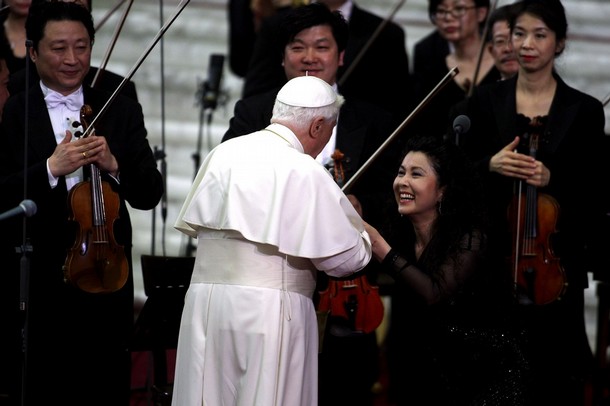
307 91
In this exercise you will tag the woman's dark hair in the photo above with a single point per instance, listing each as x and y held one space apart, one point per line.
462 209
42 12
551 12
456 174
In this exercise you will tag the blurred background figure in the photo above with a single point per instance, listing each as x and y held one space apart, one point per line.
13 31
459 23
499 42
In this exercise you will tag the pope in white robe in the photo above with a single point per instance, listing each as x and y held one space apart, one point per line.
267 217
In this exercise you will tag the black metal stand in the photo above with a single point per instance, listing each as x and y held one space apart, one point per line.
160 152
190 246
166 280
208 96
24 285
26 248
160 156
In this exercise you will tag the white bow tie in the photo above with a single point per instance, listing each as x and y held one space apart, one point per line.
55 99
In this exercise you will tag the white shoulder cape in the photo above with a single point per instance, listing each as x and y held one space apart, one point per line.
263 186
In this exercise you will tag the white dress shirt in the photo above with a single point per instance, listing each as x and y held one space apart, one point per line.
64 117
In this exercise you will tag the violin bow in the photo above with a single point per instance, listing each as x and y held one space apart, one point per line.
448 77
606 100
108 14
155 40
482 48
110 48
368 44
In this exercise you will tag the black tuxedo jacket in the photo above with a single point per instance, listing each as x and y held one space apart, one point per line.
242 35
86 333
382 76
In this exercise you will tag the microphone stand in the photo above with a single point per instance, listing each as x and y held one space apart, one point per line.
26 248
209 94
160 156
160 153
156 394
205 114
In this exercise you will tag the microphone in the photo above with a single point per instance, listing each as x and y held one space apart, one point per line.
160 155
26 207
211 87
461 125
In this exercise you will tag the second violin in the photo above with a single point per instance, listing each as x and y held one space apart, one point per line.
539 276
353 299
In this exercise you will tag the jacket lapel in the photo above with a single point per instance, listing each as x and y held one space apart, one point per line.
41 138
563 112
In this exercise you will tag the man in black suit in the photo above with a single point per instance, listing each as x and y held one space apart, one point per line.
383 66
315 40
69 329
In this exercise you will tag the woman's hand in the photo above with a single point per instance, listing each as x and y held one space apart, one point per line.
507 162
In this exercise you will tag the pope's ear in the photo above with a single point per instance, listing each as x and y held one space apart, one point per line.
315 130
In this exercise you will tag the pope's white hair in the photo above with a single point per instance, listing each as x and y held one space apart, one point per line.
302 117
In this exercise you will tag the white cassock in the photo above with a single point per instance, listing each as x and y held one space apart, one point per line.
267 217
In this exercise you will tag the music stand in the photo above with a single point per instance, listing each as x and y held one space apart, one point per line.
166 280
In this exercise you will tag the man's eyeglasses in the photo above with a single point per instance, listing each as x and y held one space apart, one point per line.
500 43
456 12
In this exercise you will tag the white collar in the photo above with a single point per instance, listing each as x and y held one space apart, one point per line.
286 134
47 90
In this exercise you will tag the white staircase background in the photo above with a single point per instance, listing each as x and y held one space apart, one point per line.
169 77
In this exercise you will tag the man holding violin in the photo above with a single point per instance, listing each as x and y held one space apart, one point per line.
71 327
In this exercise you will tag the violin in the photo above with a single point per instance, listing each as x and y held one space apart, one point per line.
352 299
539 277
95 263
